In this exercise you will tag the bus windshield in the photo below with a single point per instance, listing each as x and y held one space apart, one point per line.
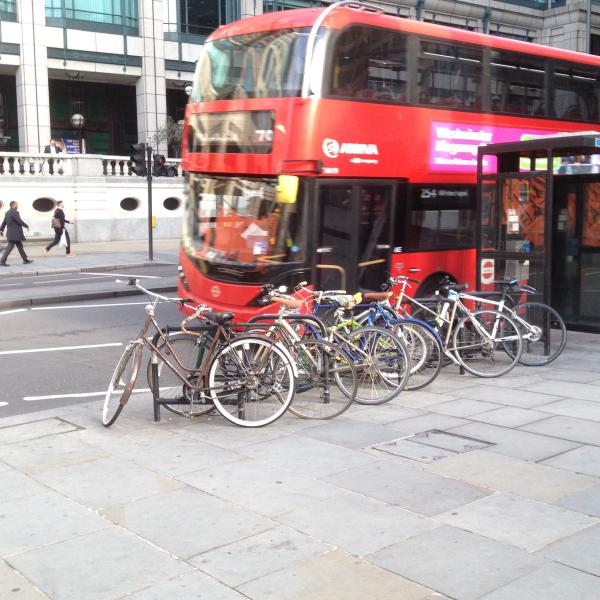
239 229
257 65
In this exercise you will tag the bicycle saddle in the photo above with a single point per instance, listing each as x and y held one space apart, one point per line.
456 287
220 318
376 296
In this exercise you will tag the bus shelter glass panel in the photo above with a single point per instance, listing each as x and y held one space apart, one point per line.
523 202
489 216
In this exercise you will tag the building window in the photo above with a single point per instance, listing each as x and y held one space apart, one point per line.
276 5
8 10
119 13
198 17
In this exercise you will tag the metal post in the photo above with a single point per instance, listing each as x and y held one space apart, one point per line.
589 27
149 178
155 390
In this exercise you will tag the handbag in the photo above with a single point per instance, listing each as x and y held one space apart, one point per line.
55 223
63 240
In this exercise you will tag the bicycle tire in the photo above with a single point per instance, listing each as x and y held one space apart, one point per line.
251 377
121 383
485 355
187 401
425 351
383 372
548 338
327 381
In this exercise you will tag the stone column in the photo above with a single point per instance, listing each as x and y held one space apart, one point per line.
150 88
33 105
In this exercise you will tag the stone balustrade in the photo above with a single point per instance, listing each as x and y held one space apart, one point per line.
36 164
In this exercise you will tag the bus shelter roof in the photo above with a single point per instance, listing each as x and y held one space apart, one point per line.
581 142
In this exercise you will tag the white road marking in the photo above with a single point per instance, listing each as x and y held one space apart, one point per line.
71 279
32 350
11 284
120 275
82 395
87 306
3 404
11 312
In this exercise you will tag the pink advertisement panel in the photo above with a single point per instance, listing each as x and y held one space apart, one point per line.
454 146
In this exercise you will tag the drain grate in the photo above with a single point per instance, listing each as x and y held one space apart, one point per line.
430 446
35 429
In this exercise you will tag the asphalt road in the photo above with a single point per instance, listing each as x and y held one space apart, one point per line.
65 353
37 287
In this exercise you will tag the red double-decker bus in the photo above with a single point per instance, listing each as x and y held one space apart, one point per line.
339 145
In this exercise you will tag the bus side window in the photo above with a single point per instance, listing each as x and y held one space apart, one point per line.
575 93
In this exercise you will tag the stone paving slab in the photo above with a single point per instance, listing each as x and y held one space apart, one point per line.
579 551
460 564
34 429
335 575
585 459
463 408
551 582
567 389
505 395
354 523
407 487
412 450
511 416
516 442
580 409
192 586
506 474
105 482
274 489
585 501
385 413
426 422
581 431
259 555
14 586
102 565
525 523
50 518
208 522
14 486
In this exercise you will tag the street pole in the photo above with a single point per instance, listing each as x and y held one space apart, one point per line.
589 27
149 178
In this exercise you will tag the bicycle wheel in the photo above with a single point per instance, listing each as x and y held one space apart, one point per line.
480 342
251 381
544 336
327 380
425 352
121 383
382 364
183 399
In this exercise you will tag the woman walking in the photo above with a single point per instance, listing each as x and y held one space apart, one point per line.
58 224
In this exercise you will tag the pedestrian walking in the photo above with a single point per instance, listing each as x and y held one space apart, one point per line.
58 224
14 233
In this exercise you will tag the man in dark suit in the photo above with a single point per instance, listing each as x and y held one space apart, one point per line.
14 233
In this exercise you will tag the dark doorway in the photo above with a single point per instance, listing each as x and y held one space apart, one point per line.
9 127
109 110
576 250
353 235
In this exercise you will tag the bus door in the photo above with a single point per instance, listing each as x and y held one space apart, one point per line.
576 250
353 235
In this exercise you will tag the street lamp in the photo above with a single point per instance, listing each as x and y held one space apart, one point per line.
78 121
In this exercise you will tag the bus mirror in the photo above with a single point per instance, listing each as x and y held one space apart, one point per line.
286 190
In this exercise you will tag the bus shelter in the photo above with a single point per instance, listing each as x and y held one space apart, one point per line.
538 221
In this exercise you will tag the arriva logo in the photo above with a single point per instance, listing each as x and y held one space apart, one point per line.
332 148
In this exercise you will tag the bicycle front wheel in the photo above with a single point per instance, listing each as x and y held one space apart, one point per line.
327 380
382 363
183 399
121 383
481 340
425 352
544 333
251 381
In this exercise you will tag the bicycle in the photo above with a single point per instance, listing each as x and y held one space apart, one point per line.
380 357
249 379
478 342
327 379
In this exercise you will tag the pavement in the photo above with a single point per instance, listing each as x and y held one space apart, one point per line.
89 258
471 489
